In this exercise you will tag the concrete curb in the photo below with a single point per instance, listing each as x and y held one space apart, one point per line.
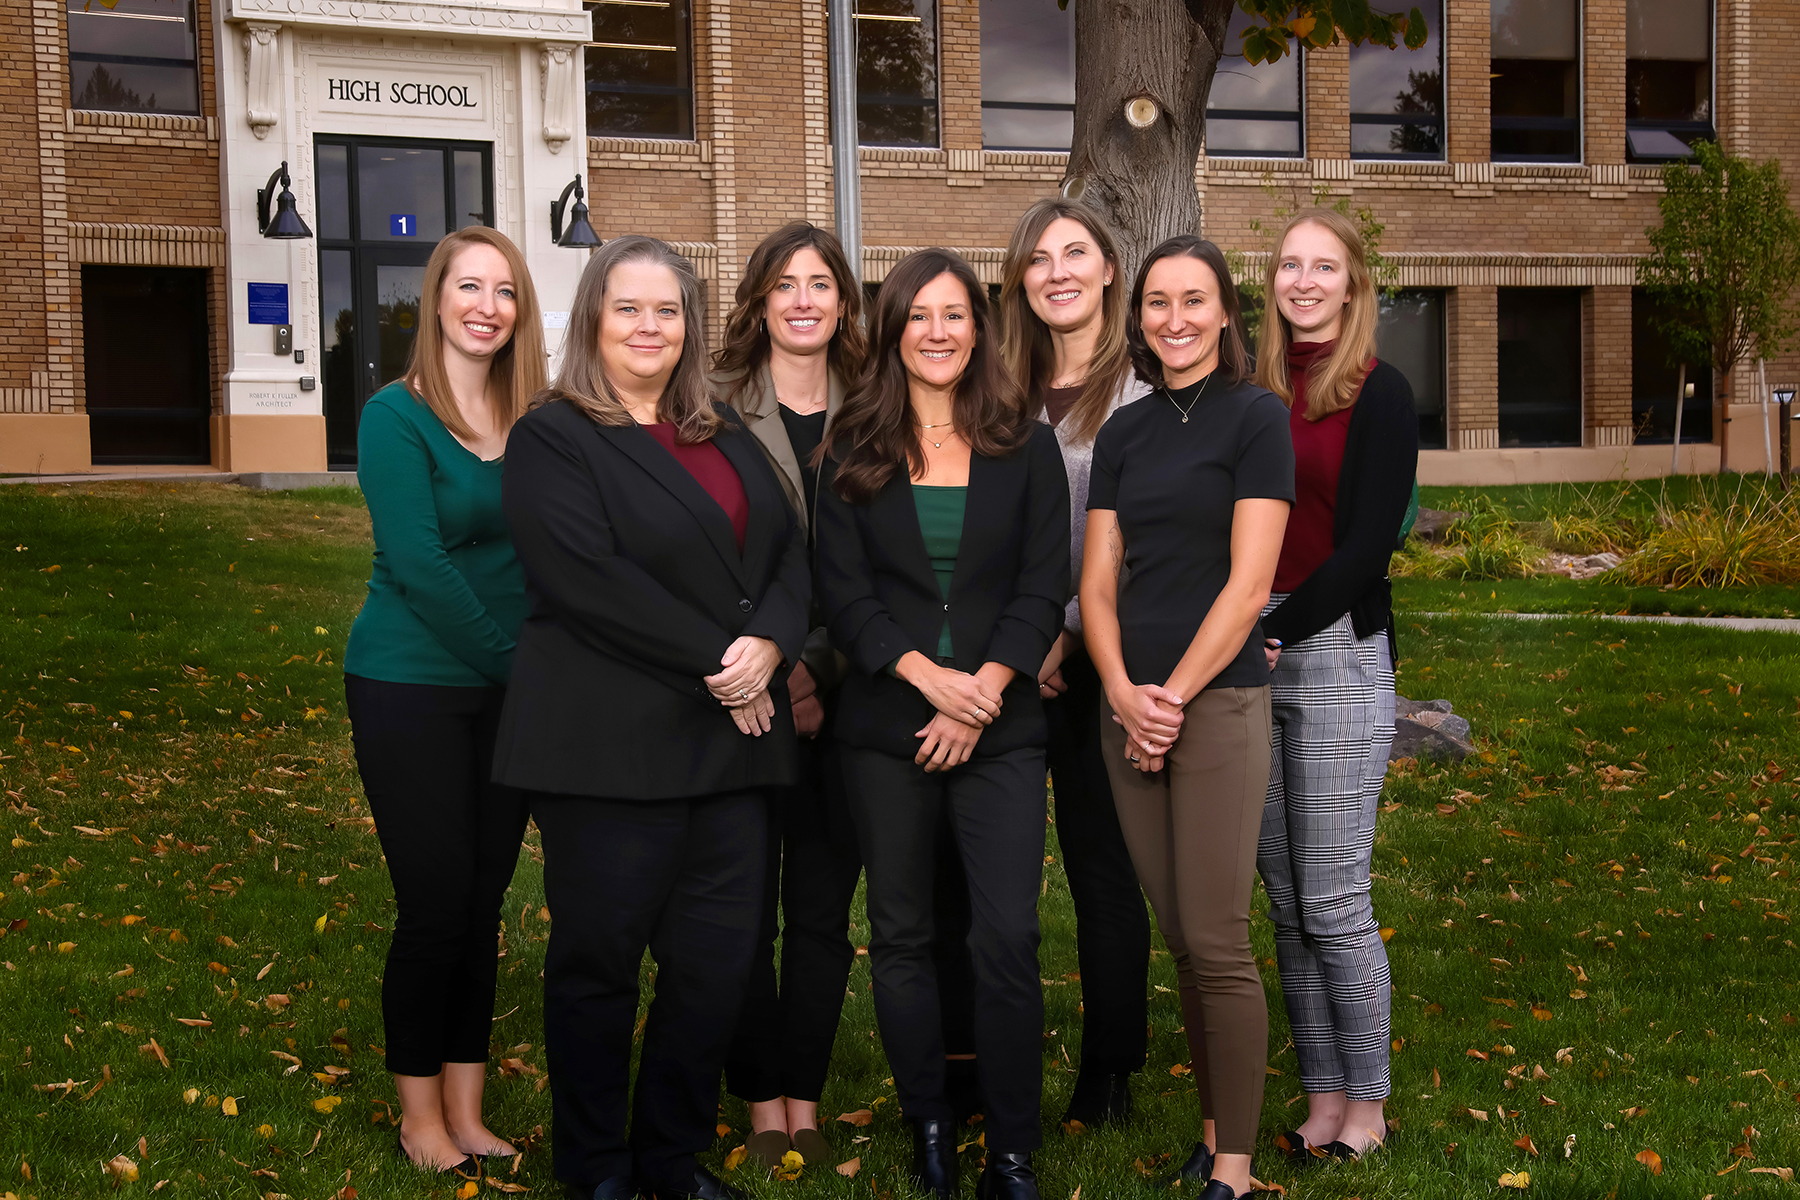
261 481
1739 624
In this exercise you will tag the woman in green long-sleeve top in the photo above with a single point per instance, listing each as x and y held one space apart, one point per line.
425 674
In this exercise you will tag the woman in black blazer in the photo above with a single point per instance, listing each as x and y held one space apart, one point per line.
943 551
668 583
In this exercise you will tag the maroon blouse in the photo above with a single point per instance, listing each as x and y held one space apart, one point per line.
713 471
1318 461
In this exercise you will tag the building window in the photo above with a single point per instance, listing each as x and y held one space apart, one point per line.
896 72
1410 338
1397 96
1027 75
1253 111
134 56
1540 366
640 70
1653 379
1668 77
1534 80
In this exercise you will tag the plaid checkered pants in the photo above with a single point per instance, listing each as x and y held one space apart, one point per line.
1333 701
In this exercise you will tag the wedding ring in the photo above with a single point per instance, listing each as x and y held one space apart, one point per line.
743 695
1133 757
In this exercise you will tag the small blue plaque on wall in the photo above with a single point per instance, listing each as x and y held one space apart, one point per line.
403 225
269 304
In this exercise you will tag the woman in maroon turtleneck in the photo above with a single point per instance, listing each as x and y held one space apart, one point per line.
1329 627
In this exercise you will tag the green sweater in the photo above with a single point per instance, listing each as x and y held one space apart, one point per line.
447 595
940 512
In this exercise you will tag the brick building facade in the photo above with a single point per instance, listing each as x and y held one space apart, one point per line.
1514 237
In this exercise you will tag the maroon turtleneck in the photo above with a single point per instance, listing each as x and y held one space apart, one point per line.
1318 460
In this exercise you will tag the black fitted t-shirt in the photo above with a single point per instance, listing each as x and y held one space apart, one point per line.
804 431
1173 485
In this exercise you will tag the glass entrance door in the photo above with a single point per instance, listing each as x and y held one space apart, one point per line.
383 204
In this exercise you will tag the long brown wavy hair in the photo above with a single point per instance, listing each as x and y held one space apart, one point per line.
1234 360
687 401
1336 380
877 431
746 346
517 370
1025 339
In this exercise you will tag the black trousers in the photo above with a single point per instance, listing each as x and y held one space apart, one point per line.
995 808
683 879
1112 926
785 1034
451 836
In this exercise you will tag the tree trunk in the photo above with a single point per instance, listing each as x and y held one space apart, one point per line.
1141 175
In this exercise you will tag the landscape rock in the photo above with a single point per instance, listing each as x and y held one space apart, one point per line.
1429 729
1578 566
1431 523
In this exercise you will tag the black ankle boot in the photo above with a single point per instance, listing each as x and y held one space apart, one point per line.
1100 1100
1007 1177
1196 1170
934 1158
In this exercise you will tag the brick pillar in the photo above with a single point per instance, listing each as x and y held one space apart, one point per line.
1473 405
1328 102
1606 366
1603 80
718 122
1468 97
60 316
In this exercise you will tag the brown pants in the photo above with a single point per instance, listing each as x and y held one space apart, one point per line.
1192 830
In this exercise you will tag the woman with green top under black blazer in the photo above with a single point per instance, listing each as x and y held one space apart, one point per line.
426 671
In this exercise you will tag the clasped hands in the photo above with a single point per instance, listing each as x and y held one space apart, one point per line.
1152 717
742 684
966 704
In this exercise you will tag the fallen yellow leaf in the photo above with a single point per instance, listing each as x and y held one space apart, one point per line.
65 947
319 925
325 1104
1651 1159
1478 1114
849 1168
122 1169
1180 1069
228 1106
191 1095
1387 933
467 1191
266 1131
1516 1179
736 1158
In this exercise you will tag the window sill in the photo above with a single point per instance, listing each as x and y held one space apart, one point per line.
87 118
662 149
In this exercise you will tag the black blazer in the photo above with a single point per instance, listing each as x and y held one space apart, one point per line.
1381 459
881 599
636 589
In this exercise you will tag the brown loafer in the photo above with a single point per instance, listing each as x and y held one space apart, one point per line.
767 1148
814 1148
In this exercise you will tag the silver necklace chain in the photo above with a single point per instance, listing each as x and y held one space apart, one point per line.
1190 408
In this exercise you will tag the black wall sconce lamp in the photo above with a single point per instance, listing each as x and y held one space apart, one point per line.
579 234
286 222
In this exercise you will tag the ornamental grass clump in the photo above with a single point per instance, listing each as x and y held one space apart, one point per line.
1751 537
1487 545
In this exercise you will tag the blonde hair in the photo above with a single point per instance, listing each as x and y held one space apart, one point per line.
1334 381
516 372
1025 339
687 400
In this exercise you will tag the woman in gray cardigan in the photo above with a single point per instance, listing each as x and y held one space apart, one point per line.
1063 337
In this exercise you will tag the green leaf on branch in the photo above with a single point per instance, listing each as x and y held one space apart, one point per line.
1415 30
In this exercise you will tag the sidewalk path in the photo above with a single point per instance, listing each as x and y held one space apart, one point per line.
1743 624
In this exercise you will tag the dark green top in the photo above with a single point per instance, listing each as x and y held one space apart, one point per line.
447 595
941 521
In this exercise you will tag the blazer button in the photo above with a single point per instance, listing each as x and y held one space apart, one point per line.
946 608
746 605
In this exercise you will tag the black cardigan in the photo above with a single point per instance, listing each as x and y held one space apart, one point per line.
1381 459
637 587
881 598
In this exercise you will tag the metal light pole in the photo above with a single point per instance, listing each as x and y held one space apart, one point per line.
846 182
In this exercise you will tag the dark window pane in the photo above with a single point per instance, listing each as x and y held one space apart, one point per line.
471 189
1402 81
334 191
1667 91
1410 338
1540 366
1240 89
132 29
1668 77
896 72
1027 57
639 70
1653 380
133 56
397 291
133 87
1535 102
400 194
1258 138
146 361
337 336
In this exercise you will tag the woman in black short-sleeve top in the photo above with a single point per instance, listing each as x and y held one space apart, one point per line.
1186 508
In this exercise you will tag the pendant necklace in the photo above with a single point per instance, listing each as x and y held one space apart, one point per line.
1190 408
939 445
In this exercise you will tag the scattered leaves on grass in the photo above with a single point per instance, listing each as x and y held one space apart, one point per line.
792 1164
1478 1113
1180 1069
122 1170
1516 1179
228 1106
190 1095
1651 1159
1785 1174
151 1047
850 1167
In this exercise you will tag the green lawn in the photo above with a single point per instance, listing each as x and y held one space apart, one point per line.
1602 894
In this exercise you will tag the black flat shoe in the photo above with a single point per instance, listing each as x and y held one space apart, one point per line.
1342 1150
1196 1170
934 1165
1297 1150
1100 1100
1007 1177
468 1168
706 1186
619 1187
1217 1190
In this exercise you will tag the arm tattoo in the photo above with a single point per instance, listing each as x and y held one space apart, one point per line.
1115 542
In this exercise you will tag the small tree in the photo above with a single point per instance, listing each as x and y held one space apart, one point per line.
1141 82
1727 256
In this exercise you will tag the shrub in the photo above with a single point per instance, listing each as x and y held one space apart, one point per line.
1750 537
